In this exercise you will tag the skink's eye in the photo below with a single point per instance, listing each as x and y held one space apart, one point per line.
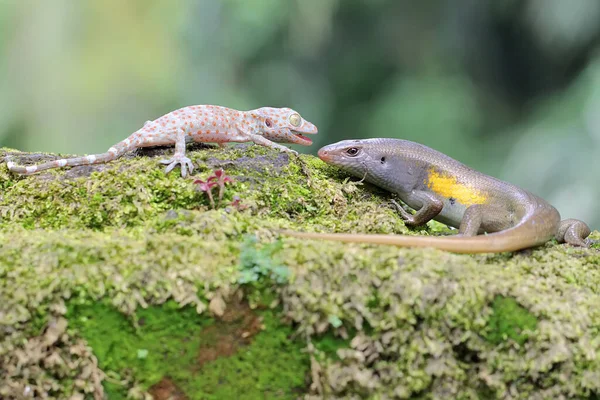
295 119
268 122
352 151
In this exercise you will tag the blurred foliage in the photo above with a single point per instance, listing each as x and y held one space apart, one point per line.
511 88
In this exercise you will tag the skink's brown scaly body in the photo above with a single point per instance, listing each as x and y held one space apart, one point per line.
443 189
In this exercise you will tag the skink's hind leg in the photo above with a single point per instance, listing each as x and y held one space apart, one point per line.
573 232
480 218
179 157
471 221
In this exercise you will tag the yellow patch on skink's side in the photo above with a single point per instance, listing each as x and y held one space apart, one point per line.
448 187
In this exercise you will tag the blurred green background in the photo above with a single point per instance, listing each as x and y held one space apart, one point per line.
511 88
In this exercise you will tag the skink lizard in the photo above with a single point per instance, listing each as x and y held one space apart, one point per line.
201 123
443 189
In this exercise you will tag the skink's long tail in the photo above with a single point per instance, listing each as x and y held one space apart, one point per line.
114 152
529 233
494 243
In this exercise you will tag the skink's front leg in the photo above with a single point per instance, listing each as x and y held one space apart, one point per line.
179 156
431 207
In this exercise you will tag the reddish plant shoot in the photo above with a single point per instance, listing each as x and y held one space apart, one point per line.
218 178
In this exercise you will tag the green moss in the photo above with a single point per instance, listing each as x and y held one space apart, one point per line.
114 391
103 199
261 266
131 238
204 358
273 366
329 344
134 193
164 333
509 320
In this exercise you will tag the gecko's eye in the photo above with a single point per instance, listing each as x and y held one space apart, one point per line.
268 122
295 119
352 151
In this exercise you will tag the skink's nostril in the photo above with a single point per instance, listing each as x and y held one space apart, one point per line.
322 154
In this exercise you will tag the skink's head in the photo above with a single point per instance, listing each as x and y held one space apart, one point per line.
379 161
282 125
353 156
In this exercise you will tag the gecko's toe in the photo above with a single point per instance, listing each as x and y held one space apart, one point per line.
190 165
170 167
184 162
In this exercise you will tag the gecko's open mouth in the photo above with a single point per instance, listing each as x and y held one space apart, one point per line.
302 138
305 129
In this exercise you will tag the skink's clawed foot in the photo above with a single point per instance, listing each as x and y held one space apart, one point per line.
186 165
578 242
405 215
573 232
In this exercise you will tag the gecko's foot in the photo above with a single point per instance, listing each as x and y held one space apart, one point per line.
10 164
284 149
186 165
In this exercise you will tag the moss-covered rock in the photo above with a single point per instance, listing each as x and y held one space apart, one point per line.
118 279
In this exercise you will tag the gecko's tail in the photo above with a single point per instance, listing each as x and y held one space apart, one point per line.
114 152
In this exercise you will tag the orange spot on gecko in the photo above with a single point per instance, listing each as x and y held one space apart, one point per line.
448 186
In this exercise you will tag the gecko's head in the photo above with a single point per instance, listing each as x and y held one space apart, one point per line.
284 125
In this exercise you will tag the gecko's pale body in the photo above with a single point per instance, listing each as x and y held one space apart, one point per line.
202 123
